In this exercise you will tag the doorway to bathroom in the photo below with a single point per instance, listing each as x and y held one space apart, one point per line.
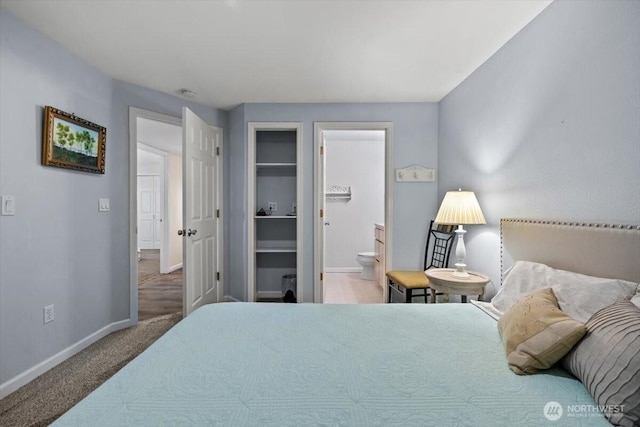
352 198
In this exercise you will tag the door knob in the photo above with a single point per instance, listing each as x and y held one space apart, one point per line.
181 232
192 232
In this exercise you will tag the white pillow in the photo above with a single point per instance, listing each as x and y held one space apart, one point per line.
487 308
521 279
636 298
579 296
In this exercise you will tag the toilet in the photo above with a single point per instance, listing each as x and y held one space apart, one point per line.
367 260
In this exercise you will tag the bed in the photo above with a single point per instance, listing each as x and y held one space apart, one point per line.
256 364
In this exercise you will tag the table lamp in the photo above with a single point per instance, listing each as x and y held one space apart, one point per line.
460 208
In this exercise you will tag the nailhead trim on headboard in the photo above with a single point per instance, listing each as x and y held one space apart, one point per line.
563 223
577 224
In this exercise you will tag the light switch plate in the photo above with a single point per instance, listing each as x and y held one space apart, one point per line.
104 205
8 205
415 173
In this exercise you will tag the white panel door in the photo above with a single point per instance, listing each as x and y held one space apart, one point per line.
150 212
199 161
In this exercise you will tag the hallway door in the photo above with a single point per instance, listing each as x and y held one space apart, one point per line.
200 162
150 215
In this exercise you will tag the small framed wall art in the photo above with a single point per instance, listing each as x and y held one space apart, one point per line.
71 142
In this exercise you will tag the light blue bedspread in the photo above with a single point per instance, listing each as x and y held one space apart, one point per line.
340 365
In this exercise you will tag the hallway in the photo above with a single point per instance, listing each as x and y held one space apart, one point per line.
158 294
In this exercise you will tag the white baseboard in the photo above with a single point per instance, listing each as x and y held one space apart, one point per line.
229 298
30 374
174 268
343 270
269 294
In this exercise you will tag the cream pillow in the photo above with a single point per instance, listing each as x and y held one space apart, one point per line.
536 333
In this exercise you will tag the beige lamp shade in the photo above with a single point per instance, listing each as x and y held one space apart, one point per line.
460 207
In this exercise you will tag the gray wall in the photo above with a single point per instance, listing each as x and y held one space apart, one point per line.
58 249
549 126
415 136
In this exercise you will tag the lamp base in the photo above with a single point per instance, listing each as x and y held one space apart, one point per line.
461 254
460 272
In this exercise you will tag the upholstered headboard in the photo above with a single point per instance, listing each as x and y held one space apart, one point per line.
601 250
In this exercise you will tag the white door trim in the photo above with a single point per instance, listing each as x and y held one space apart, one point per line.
251 204
221 220
134 114
319 195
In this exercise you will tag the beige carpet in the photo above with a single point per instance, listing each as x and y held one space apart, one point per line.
50 395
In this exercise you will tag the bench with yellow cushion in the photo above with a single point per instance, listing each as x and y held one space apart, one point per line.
409 281
437 251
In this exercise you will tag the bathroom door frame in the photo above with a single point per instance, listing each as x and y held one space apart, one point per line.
319 196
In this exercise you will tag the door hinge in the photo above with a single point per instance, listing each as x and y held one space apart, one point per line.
321 150
218 275
217 213
217 151
321 277
321 213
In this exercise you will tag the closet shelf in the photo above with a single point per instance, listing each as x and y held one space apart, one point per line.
274 176
276 246
274 250
275 165
276 169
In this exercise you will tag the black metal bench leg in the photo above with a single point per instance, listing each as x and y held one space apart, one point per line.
407 295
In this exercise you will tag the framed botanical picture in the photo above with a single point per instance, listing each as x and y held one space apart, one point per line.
71 142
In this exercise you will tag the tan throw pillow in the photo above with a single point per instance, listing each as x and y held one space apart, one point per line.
536 333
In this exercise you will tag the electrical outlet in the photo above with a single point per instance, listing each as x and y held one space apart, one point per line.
273 206
49 314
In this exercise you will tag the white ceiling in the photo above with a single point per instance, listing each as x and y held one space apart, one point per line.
164 136
236 51
148 160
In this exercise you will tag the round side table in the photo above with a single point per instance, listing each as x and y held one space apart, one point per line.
441 280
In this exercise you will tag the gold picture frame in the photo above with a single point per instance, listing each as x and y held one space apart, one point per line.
72 143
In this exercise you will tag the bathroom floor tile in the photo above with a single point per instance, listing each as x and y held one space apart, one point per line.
348 288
